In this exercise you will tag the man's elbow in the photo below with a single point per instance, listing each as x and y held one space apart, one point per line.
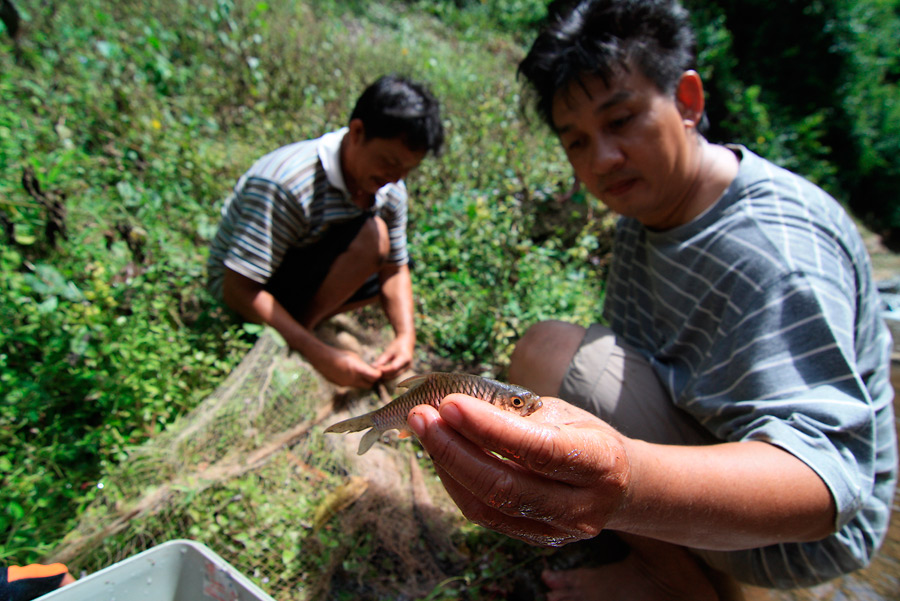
239 293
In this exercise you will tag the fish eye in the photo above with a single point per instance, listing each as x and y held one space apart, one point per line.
517 401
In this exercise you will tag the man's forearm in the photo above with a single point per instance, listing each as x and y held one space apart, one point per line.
256 304
727 496
397 300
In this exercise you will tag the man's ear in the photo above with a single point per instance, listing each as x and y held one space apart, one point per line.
689 98
357 131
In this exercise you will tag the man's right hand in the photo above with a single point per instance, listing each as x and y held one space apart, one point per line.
552 478
346 368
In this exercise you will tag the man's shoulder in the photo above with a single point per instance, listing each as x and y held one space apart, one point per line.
760 178
283 163
294 167
780 219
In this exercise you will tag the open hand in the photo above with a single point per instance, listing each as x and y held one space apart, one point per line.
555 477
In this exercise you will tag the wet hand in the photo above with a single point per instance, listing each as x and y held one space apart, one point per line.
555 477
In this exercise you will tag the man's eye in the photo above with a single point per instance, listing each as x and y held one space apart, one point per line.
620 122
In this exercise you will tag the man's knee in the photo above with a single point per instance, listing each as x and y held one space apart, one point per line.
372 241
548 336
542 356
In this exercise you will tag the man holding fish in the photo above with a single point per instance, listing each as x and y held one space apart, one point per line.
318 227
734 422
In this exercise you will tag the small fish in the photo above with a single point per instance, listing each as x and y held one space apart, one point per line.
431 389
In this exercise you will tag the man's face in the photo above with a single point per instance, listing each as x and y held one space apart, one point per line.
627 143
372 163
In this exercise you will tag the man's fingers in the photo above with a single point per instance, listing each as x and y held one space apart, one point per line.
391 363
523 528
497 483
546 493
567 455
365 373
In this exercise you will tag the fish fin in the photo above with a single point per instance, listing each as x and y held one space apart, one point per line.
368 440
404 434
413 381
354 424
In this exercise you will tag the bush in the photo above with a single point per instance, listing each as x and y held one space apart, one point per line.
814 89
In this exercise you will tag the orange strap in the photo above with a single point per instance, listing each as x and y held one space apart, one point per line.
35 570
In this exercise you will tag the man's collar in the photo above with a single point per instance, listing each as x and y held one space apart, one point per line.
329 150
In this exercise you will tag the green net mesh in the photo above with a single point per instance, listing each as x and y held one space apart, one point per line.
250 474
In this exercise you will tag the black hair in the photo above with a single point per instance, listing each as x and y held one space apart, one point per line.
603 38
394 106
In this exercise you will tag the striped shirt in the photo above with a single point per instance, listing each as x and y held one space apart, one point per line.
289 198
762 321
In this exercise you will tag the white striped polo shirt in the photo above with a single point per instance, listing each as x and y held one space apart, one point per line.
289 198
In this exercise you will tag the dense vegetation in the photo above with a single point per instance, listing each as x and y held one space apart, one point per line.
123 125
813 86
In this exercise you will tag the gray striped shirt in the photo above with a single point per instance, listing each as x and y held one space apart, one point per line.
289 198
762 321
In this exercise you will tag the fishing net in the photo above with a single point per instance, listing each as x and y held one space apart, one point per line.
249 474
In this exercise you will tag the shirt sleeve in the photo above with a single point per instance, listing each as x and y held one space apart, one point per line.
394 212
786 374
265 221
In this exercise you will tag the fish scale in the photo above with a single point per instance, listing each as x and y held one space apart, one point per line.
430 392
431 389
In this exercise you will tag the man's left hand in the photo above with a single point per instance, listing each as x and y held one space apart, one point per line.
552 478
395 359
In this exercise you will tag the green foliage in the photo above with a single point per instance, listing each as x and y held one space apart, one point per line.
867 35
494 280
471 18
814 89
87 368
108 335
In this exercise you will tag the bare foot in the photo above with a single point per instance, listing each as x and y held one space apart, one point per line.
672 575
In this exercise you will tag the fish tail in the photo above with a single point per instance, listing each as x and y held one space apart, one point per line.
354 424
368 440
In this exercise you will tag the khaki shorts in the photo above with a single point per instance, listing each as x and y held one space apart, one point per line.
616 382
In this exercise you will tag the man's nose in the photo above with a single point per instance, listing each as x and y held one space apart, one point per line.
606 156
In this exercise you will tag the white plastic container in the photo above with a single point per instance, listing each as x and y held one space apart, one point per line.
179 570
